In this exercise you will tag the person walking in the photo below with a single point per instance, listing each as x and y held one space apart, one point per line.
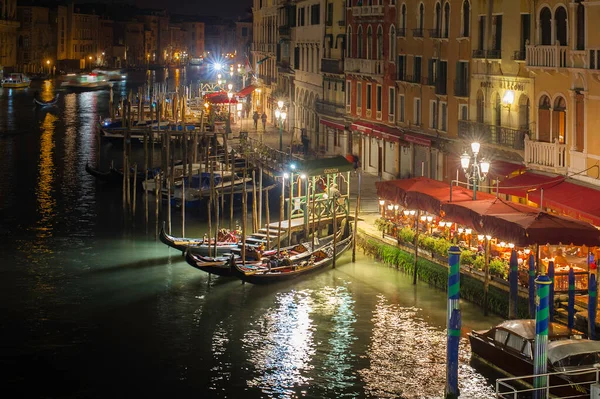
255 119
305 141
263 118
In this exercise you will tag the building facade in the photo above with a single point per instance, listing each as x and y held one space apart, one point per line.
8 34
36 45
264 56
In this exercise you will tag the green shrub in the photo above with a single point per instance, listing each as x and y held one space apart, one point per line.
498 268
467 258
479 263
407 235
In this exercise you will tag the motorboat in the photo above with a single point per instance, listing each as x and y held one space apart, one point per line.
509 348
85 81
16 81
113 74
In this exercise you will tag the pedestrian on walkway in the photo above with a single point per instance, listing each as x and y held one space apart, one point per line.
263 118
255 119
305 141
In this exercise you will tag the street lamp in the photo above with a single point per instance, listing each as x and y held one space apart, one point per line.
280 115
382 205
475 171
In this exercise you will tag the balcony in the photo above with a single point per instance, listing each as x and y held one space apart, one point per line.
401 32
494 54
329 108
551 157
363 66
441 87
418 32
478 53
435 33
367 11
410 78
332 66
341 22
491 134
519 55
461 89
285 30
546 56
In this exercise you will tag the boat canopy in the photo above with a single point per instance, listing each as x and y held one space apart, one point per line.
526 328
325 166
559 350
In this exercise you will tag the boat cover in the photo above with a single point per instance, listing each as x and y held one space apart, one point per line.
558 350
526 328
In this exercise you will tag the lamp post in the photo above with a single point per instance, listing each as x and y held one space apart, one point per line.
228 123
475 171
239 113
280 114
382 205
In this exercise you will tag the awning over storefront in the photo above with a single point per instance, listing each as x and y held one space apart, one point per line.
376 130
245 91
325 166
500 170
525 183
332 124
571 199
219 98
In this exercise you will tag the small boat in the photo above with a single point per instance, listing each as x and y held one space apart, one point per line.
50 103
85 81
289 268
115 175
509 348
219 265
228 243
112 74
16 81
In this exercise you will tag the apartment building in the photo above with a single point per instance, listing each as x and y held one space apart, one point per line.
332 132
8 34
35 43
264 57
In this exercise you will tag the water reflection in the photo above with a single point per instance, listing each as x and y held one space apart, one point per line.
44 191
281 345
407 357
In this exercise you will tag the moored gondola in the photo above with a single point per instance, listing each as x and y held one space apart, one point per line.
50 103
112 176
200 246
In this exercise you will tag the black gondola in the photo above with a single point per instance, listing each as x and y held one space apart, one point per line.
50 103
197 245
115 175
317 260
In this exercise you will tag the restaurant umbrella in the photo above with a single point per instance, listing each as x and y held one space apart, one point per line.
521 224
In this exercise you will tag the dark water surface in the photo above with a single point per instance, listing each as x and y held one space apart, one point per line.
94 307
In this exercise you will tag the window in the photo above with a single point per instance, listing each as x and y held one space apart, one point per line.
417 69
359 42
461 84
358 95
348 93
296 57
481 44
525 37
401 108
501 336
515 342
378 98
403 19
417 112
560 19
301 17
369 96
446 20
329 21
369 43
580 28
421 20
392 103
401 67
437 21
379 43
315 14
497 32
349 42
433 115
444 117
463 112
432 71
392 43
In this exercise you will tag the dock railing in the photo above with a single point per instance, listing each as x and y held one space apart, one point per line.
551 385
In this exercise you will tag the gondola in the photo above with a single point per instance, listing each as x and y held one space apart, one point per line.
317 260
112 176
50 103
222 265
197 245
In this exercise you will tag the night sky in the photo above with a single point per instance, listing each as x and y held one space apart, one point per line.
223 8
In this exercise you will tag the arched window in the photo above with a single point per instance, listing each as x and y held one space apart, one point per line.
546 26
421 21
559 120
446 20
466 18
349 42
360 43
369 43
379 43
560 16
480 106
524 112
403 17
544 119
497 110
580 27
392 44
437 19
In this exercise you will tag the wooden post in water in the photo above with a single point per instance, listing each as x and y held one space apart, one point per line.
314 200
146 179
486 278
268 218
209 205
182 209
214 197
260 195
244 217
254 210
157 195
231 195
334 204
356 219
416 248
281 215
134 191
169 203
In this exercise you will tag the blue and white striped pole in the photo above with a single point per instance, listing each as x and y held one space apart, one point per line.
551 290
454 322
513 280
592 306
571 301
532 285
540 354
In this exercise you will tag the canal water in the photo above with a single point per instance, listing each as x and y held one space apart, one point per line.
94 307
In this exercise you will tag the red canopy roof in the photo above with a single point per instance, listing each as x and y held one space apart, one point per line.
245 91
522 184
501 169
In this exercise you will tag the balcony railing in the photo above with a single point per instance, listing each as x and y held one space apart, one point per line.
418 32
461 89
367 11
435 33
401 32
429 80
478 53
492 134
546 56
441 87
329 108
519 55
494 54
284 30
341 22
363 66
332 66
545 156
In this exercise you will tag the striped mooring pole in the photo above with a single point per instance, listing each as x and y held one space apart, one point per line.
532 286
551 290
453 323
513 281
571 300
542 319
592 306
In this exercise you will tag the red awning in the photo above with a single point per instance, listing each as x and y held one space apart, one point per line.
332 124
245 91
381 131
525 183
571 199
500 170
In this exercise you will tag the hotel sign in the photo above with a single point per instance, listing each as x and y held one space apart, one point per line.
504 84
